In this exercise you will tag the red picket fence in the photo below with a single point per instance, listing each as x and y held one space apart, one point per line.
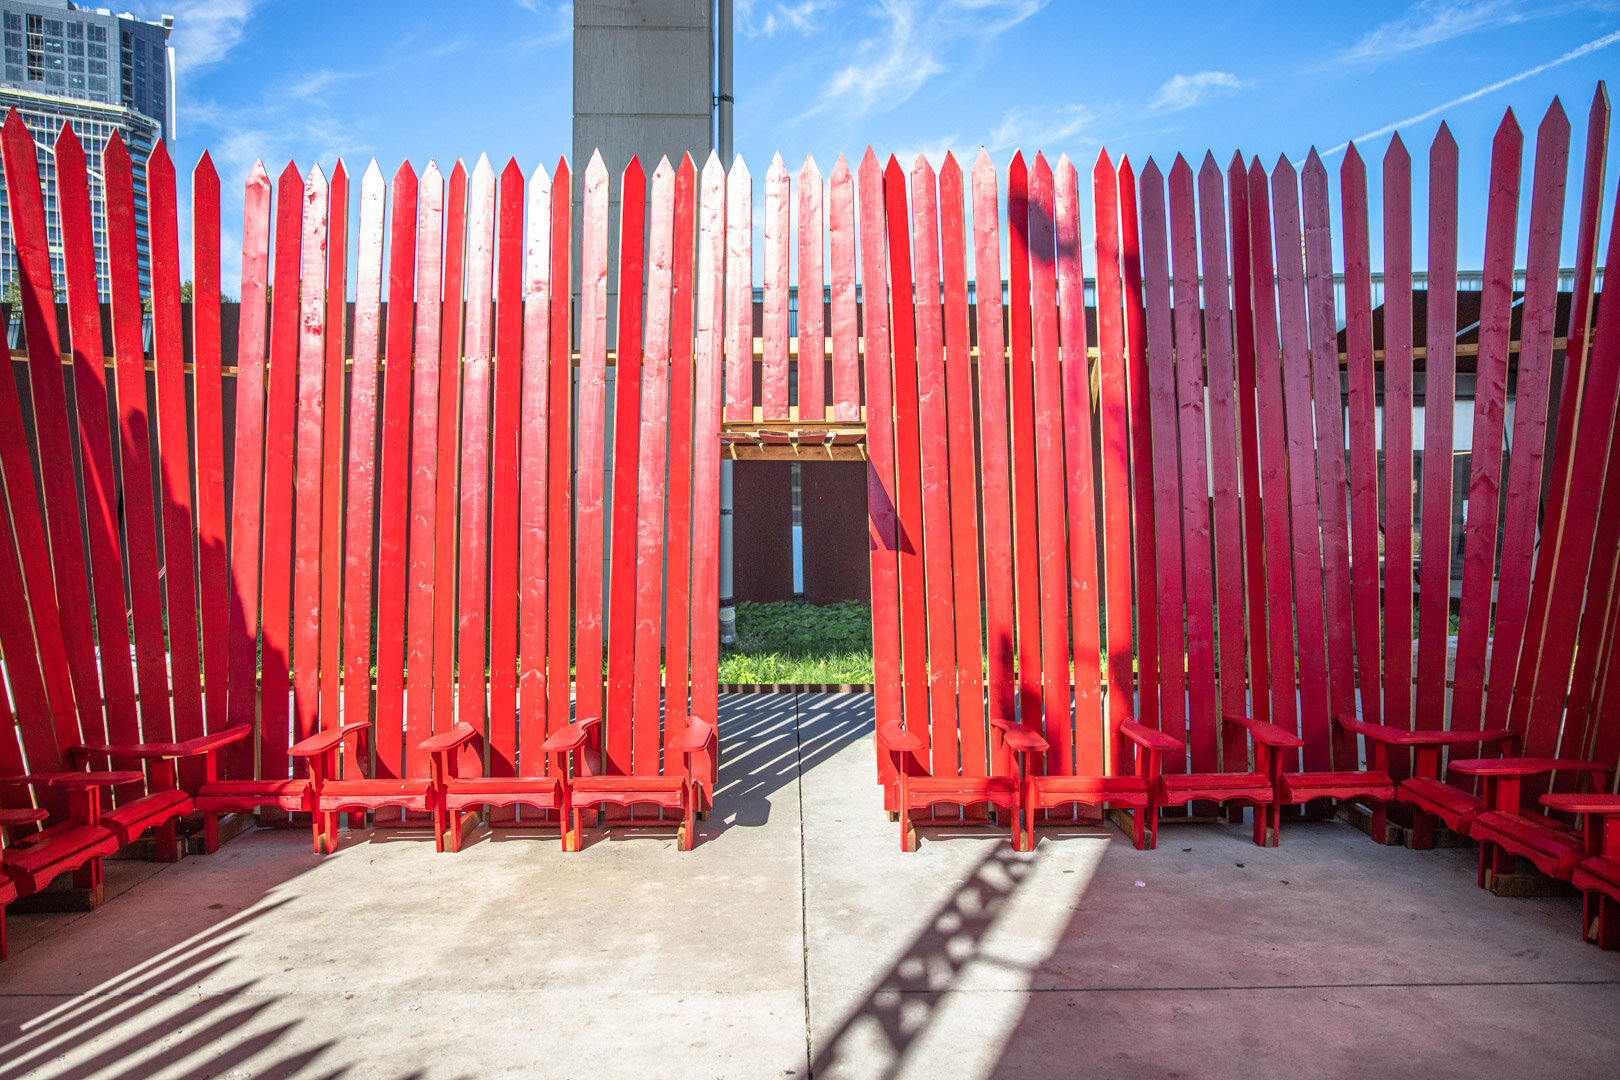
1158 511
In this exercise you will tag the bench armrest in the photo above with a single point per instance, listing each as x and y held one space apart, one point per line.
25 816
1600 805
699 734
453 739
1525 766
896 738
1020 738
86 781
322 741
202 744
1149 739
568 737
1394 736
1266 733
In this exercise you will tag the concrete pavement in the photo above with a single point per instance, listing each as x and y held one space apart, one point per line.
797 940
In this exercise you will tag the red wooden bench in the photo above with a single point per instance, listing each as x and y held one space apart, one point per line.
15 820
1597 875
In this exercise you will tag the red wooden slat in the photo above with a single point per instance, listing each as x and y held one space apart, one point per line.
64 641
34 731
1439 385
739 294
451 321
1397 436
559 452
1160 397
1147 622
907 444
994 450
1363 435
1273 449
1080 477
1254 545
1576 357
1302 492
625 435
1490 394
934 470
1522 509
424 419
363 449
881 498
707 401
1328 398
310 471
1021 418
588 541
134 457
1224 461
174 458
208 426
473 493
506 450
648 571
95 440
846 361
1568 566
1052 479
963 476
247 471
1113 436
395 519
679 617
812 316
774 386
332 463
507 758
1203 706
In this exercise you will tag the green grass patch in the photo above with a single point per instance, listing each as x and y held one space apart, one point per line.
799 643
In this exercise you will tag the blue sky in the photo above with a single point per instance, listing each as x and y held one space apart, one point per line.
294 80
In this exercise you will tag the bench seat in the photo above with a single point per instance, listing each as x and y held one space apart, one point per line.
1553 847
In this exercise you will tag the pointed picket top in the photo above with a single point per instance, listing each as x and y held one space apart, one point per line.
984 170
67 141
1180 168
1151 176
12 119
739 170
1597 117
512 173
372 180
894 174
1508 133
159 162
922 170
405 174
1352 165
950 169
258 177
809 172
1209 171
1102 171
713 171
633 174
1315 168
1554 122
1283 171
1042 172
1017 165
1234 167
315 186
1063 163
1257 176
1397 157
664 171
778 169
431 175
288 177
459 173
540 175
1444 147
562 177
686 165
204 170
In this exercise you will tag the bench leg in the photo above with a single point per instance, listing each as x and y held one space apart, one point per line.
164 847
1603 917
88 878
210 833
1422 834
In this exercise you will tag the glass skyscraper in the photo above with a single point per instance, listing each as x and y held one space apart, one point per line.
101 72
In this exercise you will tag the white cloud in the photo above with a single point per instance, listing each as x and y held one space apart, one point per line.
1039 129
756 19
556 20
1431 22
934 151
1186 91
915 44
205 31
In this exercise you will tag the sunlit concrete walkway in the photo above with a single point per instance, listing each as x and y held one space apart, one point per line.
797 940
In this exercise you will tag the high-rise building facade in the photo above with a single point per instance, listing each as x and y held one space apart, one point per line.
102 73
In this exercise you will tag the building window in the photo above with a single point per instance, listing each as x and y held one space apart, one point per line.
75 30
97 33
98 67
14 39
13 21
54 27
75 48
98 51
98 85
